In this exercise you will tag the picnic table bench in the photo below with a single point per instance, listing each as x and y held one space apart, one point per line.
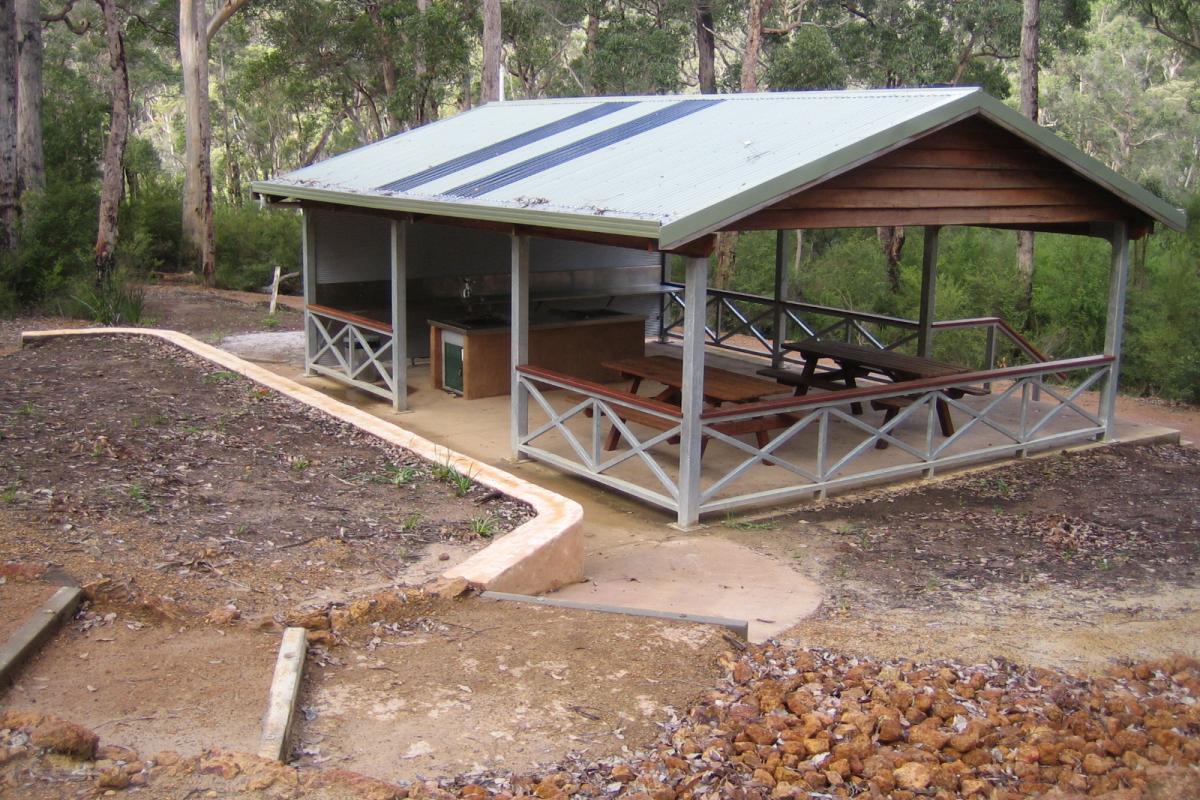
720 386
855 361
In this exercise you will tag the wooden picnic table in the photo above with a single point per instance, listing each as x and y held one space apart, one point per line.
720 386
856 360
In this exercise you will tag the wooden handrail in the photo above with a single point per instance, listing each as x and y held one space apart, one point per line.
599 389
353 319
907 387
1009 330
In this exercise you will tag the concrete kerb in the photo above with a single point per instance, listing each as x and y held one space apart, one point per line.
739 627
544 554
285 691
40 626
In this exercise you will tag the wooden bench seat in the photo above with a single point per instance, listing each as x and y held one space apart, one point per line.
834 380
759 426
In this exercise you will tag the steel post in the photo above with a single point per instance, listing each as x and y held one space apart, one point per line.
519 401
1115 326
695 288
399 260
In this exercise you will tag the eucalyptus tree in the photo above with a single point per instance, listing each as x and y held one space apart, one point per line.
1130 100
196 30
112 179
1178 20
31 163
9 215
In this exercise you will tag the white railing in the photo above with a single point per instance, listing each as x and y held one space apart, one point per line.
781 449
349 348
601 417
1015 420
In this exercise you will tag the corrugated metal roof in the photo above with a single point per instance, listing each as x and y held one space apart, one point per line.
669 168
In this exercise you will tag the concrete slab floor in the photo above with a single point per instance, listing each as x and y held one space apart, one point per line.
633 557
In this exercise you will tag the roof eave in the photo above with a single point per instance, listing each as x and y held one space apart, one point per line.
592 223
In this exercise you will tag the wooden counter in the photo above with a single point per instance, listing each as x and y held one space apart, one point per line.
574 347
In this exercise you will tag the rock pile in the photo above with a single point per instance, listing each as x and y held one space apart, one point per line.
809 723
796 723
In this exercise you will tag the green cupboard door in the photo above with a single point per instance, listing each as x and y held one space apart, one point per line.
452 369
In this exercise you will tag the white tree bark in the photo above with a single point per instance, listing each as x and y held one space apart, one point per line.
490 84
199 250
31 161
113 179
8 125
1030 29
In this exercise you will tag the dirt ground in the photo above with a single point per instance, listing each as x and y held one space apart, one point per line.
442 688
1072 560
153 686
157 477
18 601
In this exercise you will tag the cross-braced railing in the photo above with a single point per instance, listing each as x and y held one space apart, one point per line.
603 422
350 349
780 449
813 458
746 323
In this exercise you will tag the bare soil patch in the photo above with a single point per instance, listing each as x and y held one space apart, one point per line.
1072 560
155 476
440 688
153 686
18 601
211 314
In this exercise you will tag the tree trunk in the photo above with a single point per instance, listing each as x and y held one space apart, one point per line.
388 66
490 85
752 53
727 240
31 160
199 250
426 106
8 125
114 151
892 239
706 47
1030 23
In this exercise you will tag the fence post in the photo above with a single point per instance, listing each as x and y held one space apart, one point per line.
308 245
1115 327
519 405
779 333
693 392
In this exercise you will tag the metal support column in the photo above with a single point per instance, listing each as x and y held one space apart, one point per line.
308 259
928 291
780 334
399 317
694 293
519 401
1115 326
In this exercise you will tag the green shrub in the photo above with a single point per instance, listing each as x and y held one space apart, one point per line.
116 300
251 242
58 233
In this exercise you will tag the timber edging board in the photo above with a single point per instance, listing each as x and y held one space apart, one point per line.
285 691
41 625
